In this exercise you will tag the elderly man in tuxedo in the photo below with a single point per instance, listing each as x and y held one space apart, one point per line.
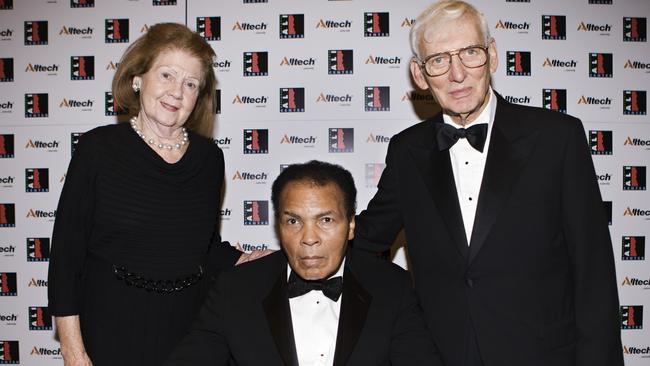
503 218
316 302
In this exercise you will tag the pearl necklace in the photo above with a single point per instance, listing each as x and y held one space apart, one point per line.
183 141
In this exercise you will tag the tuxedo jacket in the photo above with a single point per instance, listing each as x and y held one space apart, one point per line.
537 282
247 317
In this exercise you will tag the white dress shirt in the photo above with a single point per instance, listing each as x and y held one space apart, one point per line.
468 165
315 319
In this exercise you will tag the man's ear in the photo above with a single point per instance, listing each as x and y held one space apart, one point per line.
351 229
418 75
492 54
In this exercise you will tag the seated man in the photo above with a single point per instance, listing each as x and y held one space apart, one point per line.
316 302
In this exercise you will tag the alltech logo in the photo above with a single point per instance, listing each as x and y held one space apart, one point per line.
9 351
637 142
256 63
247 100
418 97
37 282
341 140
6 146
633 248
222 65
376 25
305 63
373 173
343 100
223 142
209 28
37 180
635 102
554 27
554 99
111 108
632 317
407 23
51 70
634 178
517 99
604 179
36 105
643 351
517 63
607 205
116 31
6 34
338 24
637 212
6 4
306 141
392 62
340 62
255 177
637 65
634 29
7 181
248 247
257 28
41 214
225 214
256 213
553 63
8 284
54 353
520 27
6 106
600 65
38 249
602 103
36 33
377 98
603 29
81 105
256 141
163 2
83 32
82 3
292 100
292 26
6 70
636 282
82 68
377 139
600 142
8 319
39 318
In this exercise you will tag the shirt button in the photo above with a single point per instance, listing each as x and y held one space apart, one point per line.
470 198
467 162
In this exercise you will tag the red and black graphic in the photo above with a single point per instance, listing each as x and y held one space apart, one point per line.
518 63
600 142
256 212
600 65
37 180
6 70
209 28
6 4
376 25
9 352
116 31
602 2
377 98
553 27
217 101
292 100
6 146
255 1
36 105
8 284
554 99
635 29
634 178
82 68
341 140
632 317
36 33
633 248
74 141
256 141
38 249
7 215
39 318
292 26
111 108
340 62
163 2
82 3
256 63
635 102
373 173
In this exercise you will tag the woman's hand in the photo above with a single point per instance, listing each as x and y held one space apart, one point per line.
255 254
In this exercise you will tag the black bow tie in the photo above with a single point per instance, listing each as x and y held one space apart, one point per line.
448 135
331 288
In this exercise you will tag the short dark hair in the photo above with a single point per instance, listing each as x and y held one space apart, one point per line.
319 173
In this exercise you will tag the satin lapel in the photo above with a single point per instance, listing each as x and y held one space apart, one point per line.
510 146
278 316
355 302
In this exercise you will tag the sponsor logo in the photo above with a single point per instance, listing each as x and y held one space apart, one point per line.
307 62
49 69
636 65
633 248
518 63
255 177
604 179
341 25
36 105
116 31
343 100
74 141
634 178
340 62
82 3
42 351
111 108
600 142
376 25
604 103
605 2
6 107
37 180
308 141
569 65
259 28
633 350
256 63
217 101
39 318
40 214
392 62
407 23
373 173
9 319
209 28
372 138
256 141
634 29
7 34
256 212
84 105
634 102
86 32
255 1
82 68
225 213
608 211
223 142
590 27
341 140
292 26
633 281
635 141
38 144
36 33
112 65
8 284
554 27
259 102
6 70
377 98
222 66
632 317
9 351
600 65
292 100
163 2
518 100
38 249
8 251
37 282
7 181
629 211
6 146
418 97
247 247
522 27
6 4
554 99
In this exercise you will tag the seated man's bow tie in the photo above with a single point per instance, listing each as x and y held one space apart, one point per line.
331 288
448 135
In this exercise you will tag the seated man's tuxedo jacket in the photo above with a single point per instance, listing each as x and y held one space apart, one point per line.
247 317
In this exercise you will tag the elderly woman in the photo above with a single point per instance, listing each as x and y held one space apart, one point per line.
136 228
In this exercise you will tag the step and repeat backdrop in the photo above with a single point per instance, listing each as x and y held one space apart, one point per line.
302 80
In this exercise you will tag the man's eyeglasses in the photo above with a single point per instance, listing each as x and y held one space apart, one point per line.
439 63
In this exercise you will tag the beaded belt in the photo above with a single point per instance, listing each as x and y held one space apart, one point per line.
160 286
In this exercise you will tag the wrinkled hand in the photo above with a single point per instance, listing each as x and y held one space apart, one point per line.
256 254
77 360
